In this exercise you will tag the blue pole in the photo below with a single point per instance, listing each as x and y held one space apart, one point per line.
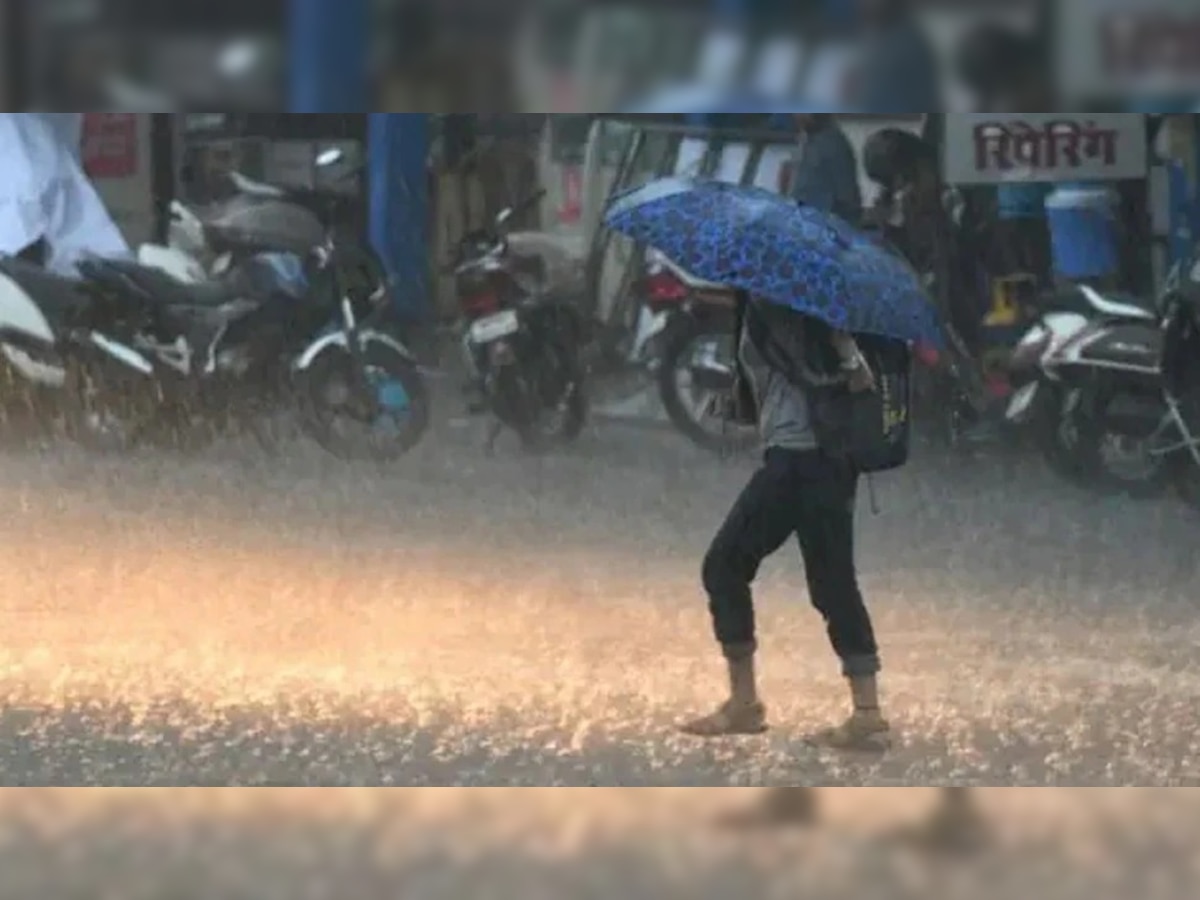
398 150
329 41
329 45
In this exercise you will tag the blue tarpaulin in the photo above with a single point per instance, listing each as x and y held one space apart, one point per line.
397 147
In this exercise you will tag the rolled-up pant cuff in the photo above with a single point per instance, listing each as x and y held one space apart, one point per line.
739 651
860 666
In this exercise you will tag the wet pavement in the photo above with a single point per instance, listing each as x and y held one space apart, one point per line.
229 619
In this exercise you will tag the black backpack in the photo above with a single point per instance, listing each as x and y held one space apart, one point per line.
873 429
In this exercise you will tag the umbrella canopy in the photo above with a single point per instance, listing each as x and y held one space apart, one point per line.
781 252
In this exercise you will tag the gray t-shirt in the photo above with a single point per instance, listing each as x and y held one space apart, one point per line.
784 420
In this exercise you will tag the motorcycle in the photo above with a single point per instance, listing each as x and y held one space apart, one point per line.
1090 401
240 347
686 340
54 341
523 343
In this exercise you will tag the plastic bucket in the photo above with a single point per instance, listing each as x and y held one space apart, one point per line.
1083 232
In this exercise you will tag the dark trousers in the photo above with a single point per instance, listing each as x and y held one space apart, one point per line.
811 496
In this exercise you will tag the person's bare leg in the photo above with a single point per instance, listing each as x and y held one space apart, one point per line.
743 712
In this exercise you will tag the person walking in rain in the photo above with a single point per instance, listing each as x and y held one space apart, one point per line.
804 491
803 341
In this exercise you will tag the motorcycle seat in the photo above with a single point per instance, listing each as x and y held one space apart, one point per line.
160 287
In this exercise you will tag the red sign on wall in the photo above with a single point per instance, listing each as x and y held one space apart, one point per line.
571 210
110 145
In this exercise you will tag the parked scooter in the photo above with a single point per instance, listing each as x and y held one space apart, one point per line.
523 342
1093 399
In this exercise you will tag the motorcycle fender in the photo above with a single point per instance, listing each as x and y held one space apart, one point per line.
338 339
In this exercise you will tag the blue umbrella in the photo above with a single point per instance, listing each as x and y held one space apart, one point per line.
780 251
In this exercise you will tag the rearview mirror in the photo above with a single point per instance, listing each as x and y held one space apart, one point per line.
330 157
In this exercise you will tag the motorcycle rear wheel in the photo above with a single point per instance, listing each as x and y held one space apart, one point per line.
699 418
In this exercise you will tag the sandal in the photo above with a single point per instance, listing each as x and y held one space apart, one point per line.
731 718
866 731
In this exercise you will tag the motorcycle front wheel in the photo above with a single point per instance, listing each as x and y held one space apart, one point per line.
336 412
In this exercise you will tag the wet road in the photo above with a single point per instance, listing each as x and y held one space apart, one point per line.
457 620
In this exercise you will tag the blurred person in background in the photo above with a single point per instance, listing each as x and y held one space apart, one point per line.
1007 71
899 69
825 171
921 215
206 177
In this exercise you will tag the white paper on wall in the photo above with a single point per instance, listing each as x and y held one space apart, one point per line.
732 165
691 156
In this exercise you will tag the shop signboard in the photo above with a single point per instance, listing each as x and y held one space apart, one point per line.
995 148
